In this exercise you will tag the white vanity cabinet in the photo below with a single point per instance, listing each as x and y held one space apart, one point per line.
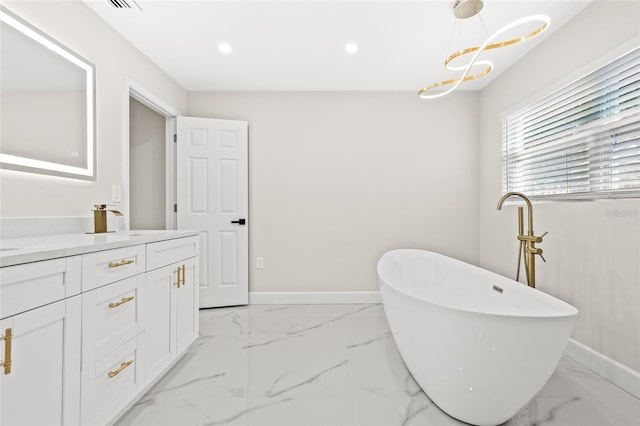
90 331
171 302
41 312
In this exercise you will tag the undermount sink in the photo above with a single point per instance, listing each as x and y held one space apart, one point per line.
144 233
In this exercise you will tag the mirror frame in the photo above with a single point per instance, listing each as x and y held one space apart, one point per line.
34 165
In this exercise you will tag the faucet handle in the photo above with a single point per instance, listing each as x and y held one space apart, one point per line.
103 206
542 257
532 239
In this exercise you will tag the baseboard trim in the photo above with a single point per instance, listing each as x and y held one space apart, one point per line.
618 374
313 297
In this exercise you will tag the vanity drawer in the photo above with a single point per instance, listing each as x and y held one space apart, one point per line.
111 315
111 383
109 266
167 252
28 286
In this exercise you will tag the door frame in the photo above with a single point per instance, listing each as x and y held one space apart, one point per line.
134 90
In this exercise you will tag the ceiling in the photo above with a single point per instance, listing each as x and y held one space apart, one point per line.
300 45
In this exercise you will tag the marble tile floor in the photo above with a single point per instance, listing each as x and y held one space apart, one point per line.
335 365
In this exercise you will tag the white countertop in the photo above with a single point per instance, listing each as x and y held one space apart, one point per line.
15 251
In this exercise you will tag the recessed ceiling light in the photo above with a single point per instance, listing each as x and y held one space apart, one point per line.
224 48
351 48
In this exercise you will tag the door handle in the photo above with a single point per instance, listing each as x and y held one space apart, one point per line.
239 221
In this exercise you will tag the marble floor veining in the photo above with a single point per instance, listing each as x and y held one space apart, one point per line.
335 365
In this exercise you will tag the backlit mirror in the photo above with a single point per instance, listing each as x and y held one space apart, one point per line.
47 110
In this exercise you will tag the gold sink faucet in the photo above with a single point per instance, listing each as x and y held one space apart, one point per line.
100 218
528 241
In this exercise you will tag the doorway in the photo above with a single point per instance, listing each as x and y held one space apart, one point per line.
213 185
150 161
147 170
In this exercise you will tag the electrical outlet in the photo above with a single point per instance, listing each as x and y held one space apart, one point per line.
116 193
259 262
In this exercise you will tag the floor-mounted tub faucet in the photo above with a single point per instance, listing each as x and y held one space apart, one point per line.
528 241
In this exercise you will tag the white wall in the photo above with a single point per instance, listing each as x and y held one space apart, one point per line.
593 248
338 178
78 27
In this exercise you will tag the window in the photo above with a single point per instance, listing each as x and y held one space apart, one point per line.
581 141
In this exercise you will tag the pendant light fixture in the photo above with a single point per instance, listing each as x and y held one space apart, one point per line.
463 9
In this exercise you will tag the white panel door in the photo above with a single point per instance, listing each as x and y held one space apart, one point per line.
213 196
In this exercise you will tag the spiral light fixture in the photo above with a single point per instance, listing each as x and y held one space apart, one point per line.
463 9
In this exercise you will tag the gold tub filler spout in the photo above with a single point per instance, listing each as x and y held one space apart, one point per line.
528 241
100 218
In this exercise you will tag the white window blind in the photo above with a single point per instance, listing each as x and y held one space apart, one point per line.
581 141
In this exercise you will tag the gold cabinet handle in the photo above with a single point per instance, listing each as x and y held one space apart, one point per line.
180 273
122 301
121 263
177 283
123 365
7 351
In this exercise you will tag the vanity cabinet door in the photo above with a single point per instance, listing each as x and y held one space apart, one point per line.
159 312
43 384
187 318
171 314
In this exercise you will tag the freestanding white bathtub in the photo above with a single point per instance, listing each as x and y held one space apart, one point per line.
479 344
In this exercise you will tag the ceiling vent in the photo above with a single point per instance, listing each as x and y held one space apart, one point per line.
124 4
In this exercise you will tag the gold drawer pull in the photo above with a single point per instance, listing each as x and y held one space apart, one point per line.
7 350
123 365
121 263
122 301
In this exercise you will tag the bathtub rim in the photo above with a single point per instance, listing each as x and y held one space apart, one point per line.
571 311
